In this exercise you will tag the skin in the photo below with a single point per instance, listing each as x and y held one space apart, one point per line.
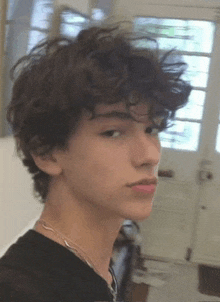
88 197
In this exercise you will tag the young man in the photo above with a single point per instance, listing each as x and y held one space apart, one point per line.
86 114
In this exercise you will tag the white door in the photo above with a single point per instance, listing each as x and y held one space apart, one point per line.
185 213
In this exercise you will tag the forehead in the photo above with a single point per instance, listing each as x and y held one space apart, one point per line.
119 111
121 107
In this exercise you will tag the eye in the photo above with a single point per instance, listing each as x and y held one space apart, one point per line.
152 130
111 133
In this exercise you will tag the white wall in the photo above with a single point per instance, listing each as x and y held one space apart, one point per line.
18 207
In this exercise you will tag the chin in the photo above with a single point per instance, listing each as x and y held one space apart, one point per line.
140 214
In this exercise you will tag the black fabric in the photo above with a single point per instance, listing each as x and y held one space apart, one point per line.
209 280
37 269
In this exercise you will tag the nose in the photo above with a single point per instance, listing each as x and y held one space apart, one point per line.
146 153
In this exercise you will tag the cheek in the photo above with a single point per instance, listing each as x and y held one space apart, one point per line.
95 165
111 178
103 172
106 170
91 179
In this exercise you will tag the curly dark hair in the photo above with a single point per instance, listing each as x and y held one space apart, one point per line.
62 76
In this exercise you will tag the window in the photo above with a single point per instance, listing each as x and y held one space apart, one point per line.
40 22
28 22
193 41
72 23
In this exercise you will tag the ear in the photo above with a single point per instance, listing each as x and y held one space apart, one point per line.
47 164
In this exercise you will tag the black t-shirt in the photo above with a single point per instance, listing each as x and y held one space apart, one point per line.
37 269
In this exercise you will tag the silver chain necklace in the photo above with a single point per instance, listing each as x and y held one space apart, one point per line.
74 248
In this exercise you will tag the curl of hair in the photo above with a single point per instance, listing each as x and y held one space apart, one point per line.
61 77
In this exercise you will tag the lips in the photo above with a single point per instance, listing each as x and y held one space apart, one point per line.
150 189
144 182
146 185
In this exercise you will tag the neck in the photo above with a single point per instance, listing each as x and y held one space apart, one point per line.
93 234
60 238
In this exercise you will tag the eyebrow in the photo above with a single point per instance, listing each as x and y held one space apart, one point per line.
115 114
